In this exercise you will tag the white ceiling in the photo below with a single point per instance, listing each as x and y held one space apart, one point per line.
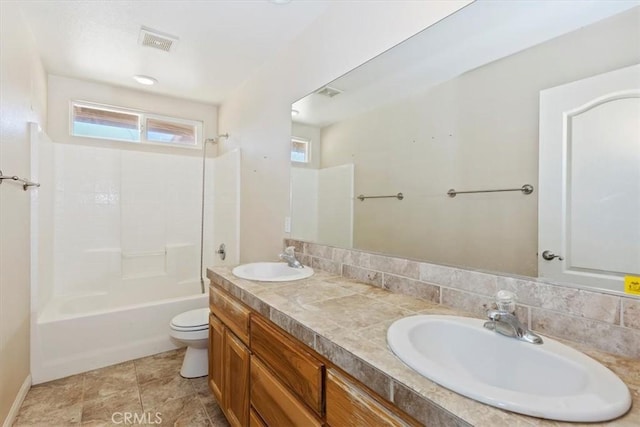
221 43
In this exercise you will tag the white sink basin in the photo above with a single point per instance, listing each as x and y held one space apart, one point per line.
549 380
271 272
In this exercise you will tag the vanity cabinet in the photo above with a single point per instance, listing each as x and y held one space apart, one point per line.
295 367
348 404
229 356
263 377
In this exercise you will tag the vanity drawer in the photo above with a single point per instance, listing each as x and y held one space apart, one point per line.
255 420
350 405
295 366
275 404
232 312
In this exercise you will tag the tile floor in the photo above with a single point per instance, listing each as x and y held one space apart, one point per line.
150 387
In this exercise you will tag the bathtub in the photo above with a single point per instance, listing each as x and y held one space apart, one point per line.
78 333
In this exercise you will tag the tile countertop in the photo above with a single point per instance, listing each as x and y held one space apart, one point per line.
346 322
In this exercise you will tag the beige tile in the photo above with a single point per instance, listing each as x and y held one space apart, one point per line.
422 410
476 305
305 335
320 251
413 288
358 311
367 276
105 382
351 257
185 411
155 393
474 281
373 378
600 335
54 395
159 366
312 291
297 244
331 267
49 415
437 274
397 266
579 302
105 410
631 312
211 407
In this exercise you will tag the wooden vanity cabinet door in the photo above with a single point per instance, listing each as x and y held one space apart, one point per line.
350 405
216 357
295 367
232 312
275 404
236 381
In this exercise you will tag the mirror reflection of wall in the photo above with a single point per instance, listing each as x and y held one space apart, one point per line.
478 130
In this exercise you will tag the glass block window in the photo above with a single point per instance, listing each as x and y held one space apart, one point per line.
300 150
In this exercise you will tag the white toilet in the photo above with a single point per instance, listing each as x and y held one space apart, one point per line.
192 328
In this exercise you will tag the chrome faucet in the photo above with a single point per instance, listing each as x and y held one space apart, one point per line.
289 257
504 320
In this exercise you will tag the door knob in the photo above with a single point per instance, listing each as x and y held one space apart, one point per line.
549 256
222 251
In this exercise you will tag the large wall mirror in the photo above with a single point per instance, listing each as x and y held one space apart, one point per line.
458 107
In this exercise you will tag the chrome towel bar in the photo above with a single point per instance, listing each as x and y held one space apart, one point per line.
398 196
526 189
25 183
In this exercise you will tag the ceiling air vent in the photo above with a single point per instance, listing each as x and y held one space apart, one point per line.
329 91
157 40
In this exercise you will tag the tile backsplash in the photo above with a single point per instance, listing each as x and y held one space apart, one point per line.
603 321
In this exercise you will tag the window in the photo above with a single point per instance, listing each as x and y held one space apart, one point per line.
171 131
104 122
300 150
98 122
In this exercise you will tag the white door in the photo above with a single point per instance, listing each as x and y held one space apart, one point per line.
589 199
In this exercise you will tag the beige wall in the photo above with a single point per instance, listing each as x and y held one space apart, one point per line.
478 131
23 99
258 115
62 90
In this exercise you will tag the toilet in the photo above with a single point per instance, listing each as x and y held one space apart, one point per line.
192 328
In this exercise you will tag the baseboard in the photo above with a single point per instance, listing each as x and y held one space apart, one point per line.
17 403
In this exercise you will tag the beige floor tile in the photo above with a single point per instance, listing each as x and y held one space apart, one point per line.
110 408
104 382
147 387
184 411
159 366
42 415
156 392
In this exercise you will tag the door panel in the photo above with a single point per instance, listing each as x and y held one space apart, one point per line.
589 200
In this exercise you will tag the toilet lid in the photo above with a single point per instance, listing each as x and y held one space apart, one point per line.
192 319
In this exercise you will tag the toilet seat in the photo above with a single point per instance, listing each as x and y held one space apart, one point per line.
192 320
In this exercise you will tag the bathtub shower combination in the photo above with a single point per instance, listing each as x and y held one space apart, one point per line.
116 249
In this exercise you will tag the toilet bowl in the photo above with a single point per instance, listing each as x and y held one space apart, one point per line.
192 328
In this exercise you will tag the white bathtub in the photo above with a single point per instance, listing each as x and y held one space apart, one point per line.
78 333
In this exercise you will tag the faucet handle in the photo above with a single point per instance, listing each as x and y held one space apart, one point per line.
506 301
290 250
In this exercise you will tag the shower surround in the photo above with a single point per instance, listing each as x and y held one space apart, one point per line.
117 234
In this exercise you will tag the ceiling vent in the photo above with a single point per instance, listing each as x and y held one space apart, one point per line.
329 91
157 40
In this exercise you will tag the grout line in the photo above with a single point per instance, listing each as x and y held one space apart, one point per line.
84 380
135 369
